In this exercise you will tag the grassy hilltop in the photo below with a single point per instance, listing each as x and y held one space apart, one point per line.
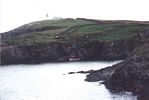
73 30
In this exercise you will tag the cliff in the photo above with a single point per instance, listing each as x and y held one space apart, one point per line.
131 74
55 52
59 40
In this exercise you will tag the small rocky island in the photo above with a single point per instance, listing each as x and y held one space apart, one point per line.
85 40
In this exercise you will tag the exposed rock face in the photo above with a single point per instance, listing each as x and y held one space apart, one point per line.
31 53
144 93
53 52
100 75
130 75
133 73
116 50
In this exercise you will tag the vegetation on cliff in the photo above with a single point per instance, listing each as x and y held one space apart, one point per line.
132 74
59 40
72 30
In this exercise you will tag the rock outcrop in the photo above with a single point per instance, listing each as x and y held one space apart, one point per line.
56 51
130 75
28 54
133 73
100 75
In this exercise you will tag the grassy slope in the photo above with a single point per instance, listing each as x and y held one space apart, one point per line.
75 30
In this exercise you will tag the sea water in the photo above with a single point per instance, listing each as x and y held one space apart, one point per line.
51 82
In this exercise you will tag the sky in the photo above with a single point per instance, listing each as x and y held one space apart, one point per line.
14 13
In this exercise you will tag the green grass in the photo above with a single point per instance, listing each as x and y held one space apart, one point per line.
94 28
61 22
111 31
75 29
123 32
37 37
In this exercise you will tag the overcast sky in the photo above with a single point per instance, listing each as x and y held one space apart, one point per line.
14 13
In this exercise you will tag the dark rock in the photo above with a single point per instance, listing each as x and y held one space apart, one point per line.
133 73
81 72
100 75
144 93
58 52
130 75
71 72
85 72
28 54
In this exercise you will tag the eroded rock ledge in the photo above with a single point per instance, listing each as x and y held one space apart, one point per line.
56 51
130 75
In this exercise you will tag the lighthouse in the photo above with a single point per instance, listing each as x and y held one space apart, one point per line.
47 15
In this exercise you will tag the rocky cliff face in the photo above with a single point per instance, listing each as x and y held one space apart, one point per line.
133 73
31 53
53 52
130 75
59 40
